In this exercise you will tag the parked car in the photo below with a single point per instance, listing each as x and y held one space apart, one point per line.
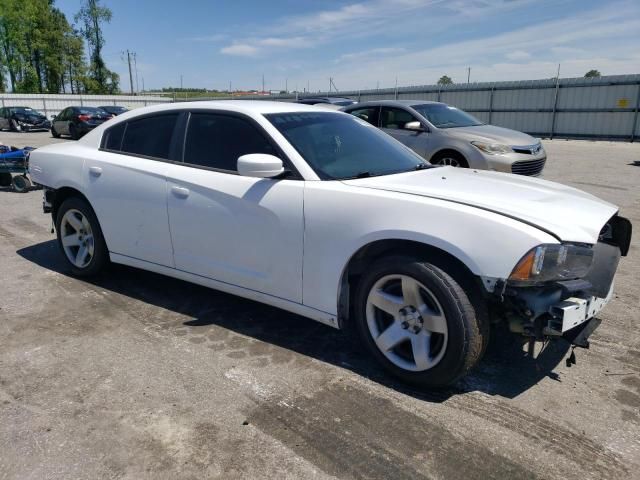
22 119
77 121
114 109
320 214
337 101
446 135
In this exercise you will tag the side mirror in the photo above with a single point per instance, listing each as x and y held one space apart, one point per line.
260 165
414 126
53 117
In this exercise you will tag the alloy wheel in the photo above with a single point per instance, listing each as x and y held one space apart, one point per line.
77 238
407 323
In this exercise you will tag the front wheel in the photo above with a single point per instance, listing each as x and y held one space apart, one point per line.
80 237
451 159
418 321
14 126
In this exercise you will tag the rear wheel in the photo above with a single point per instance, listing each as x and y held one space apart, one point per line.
451 159
21 183
73 131
80 237
14 126
54 132
418 321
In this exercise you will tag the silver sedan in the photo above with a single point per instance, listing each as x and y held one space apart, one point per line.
446 135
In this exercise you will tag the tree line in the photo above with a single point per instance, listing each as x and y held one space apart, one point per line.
41 52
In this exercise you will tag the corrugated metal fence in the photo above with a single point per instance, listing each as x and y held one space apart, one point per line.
604 107
51 104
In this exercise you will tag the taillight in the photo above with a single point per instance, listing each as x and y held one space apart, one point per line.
84 118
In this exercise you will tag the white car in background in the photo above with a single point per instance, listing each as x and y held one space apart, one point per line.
318 213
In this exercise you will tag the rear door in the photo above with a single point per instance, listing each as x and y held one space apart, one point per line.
60 123
126 185
239 230
393 121
3 121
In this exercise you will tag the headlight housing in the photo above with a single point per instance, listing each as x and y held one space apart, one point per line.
492 148
553 262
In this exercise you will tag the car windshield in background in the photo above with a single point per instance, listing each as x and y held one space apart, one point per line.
445 116
340 146
344 103
91 111
25 111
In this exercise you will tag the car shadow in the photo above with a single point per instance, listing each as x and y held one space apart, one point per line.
505 370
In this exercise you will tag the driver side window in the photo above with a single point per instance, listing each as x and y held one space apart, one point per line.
395 118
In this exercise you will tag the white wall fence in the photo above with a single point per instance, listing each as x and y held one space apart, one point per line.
51 104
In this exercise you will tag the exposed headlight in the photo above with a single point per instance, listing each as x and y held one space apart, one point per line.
552 263
492 148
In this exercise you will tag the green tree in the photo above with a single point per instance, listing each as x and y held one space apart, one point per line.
91 17
592 74
445 80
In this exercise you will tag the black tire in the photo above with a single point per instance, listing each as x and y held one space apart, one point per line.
54 132
21 184
13 126
73 132
445 158
101 254
5 179
467 331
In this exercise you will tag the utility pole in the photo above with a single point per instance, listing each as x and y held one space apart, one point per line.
286 85
229 87
143 90
262 83
180 82
135 64
130 74
468 74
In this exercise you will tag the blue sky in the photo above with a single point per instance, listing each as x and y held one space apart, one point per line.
362 44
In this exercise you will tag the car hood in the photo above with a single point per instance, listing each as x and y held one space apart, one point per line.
493 134
567 213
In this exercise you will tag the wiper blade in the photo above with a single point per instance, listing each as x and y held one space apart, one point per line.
422 166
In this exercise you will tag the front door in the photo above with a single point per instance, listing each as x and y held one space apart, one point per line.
393 121
239 230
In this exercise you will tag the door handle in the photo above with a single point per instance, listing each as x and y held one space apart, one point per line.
180 192
95 171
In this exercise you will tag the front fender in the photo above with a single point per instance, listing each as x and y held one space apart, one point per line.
341 219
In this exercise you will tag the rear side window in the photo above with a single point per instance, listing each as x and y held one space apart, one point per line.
216 141
150 136
113 137
369 114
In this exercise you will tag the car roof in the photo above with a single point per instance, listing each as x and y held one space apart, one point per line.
250 107
395 103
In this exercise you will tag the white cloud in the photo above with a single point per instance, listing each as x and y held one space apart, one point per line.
518 55
240 49
374 52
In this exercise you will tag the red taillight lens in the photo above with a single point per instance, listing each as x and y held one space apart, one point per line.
84 118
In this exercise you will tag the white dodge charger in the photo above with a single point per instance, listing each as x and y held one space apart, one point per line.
321 214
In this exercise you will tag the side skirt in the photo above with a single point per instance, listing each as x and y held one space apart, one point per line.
299 309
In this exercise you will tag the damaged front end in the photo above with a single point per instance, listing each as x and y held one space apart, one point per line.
556 291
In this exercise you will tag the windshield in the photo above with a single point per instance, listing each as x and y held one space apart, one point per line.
25 111
90 111
446 116
339 146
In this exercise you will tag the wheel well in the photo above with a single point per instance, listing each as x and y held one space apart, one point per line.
383 248
448 151
61 195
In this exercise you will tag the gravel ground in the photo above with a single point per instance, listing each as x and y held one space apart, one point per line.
133 375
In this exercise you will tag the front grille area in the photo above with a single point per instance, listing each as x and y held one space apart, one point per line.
532 168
